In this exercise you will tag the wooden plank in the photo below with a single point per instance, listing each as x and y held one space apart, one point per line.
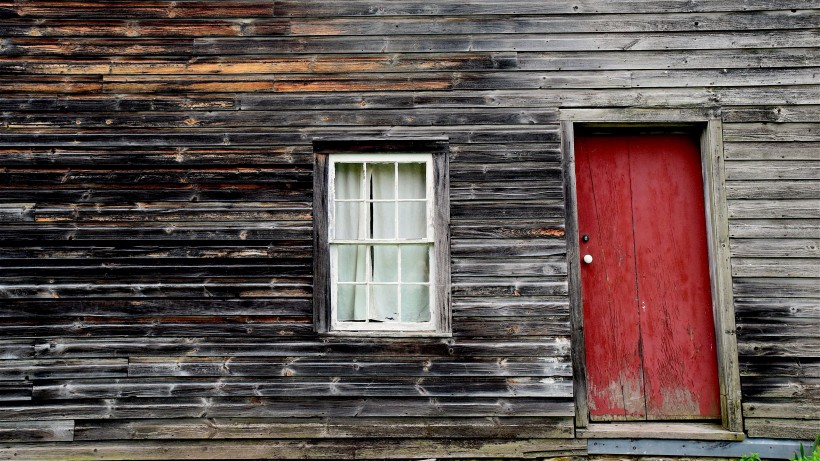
554 286
775 248
781 410
137 28
791 367
149 326
15 391
222 288
282 250
315 8
303 449
250 346
507 247
159 212
509 327
785 347
800 429
505 172
538 229
672 59
514 97
774 209
765 267
611 317
494 211
16 349
460 134
774 228
785 287
752 328
779 114
52 308
714 181
501 153
357 365
764 169
585 23
146 9
574 292
580 23
180 232
654 430
454 43
170 388
37 431
138 270
298 156
753 132
773 189
36 101
483 306
441 237
678 244
806 150
302 407
774 307
487 267
248 119
57 369
530 190
322 428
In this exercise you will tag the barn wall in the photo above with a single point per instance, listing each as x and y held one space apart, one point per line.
155 214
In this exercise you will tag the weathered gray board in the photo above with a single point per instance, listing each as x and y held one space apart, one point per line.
766 448
156 190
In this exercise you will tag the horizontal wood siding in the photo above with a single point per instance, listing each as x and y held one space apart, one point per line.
156 190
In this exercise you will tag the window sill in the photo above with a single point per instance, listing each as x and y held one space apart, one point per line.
658 430
387 334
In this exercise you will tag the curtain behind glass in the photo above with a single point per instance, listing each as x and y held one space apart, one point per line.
351 224
377 218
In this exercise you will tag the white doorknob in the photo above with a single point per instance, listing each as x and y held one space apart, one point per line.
588 259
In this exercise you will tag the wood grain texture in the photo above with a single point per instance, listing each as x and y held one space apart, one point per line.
159 187
319 428
305 449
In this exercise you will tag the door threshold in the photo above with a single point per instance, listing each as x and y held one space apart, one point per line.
658 430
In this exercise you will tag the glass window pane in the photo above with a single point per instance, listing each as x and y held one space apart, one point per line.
351 263
383 221
349 223
415 263
351 303
382 180
413 219
415 303
349 181
385 302
412 180
385 263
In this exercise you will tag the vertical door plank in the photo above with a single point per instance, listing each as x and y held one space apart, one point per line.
612 341
675 302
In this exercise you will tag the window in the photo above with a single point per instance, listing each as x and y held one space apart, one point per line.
381 241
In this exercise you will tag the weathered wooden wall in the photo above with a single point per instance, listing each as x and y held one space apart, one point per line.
155 191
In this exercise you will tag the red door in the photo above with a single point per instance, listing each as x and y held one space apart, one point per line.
649 335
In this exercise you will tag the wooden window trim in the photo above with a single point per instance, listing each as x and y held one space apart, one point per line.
719 263
439 149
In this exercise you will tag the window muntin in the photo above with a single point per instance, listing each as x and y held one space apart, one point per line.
381 239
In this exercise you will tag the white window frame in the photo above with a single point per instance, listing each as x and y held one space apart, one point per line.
438 207
428 239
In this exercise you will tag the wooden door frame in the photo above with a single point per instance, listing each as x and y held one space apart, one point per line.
717 234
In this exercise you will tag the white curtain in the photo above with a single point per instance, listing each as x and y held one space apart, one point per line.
374 215
350 224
